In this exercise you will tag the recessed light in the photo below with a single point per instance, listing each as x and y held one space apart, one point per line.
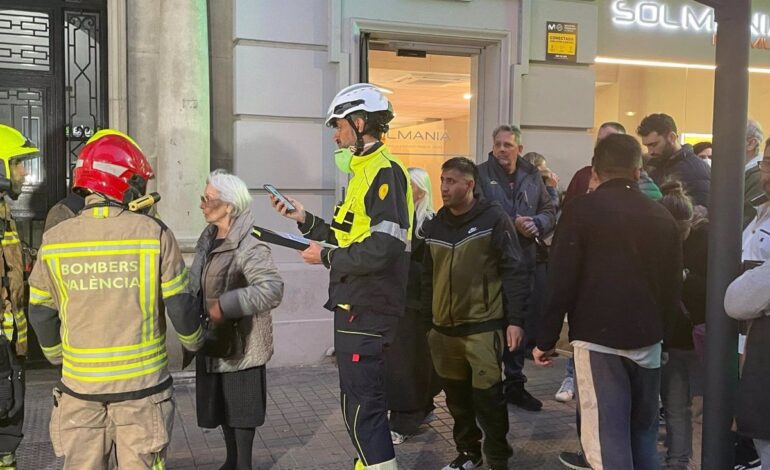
467 96
630 113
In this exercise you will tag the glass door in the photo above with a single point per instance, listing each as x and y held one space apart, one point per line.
433 100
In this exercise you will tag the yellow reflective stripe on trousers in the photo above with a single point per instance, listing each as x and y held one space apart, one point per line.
7 324
193 339
38 296
21 327
175 285
10 238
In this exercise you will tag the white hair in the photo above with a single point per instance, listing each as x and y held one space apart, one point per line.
231 189
754 131
424 210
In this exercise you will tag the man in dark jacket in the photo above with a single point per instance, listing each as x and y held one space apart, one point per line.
616 271
518 187
671 160
474 286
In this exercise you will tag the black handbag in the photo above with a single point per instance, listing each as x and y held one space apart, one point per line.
223 340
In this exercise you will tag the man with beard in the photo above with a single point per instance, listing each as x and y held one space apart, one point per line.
671 160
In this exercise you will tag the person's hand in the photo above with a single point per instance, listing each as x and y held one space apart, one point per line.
312 254
543 358
514 336
552 180
215 312
298 214
526 226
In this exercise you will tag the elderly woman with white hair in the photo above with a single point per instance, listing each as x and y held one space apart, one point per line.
238 285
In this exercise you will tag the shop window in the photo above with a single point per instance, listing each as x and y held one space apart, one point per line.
433 102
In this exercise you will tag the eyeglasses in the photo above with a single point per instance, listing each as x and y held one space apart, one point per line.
764 166
209 202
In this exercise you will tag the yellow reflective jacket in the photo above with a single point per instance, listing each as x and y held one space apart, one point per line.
372 228
14 321
96 294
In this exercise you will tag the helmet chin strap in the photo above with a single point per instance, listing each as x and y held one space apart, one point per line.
359 149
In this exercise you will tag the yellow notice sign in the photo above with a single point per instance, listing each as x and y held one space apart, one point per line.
561 42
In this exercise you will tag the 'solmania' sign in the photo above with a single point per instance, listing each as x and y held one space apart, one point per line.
663 16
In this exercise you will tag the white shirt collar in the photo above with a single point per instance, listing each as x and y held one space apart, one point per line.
753 162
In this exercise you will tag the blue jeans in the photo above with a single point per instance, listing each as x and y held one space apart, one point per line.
570 369
676 390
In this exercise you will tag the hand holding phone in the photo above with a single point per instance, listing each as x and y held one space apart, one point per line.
287 207
281 198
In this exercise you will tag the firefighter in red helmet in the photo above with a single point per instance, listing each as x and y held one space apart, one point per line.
96 299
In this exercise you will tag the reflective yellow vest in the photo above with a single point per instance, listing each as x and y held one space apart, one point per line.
351 222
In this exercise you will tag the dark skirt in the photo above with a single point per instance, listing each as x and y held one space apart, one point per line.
236 399
410 380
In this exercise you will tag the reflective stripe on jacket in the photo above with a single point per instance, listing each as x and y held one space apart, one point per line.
96 296
13 307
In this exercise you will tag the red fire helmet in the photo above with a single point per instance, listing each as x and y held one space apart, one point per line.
114 167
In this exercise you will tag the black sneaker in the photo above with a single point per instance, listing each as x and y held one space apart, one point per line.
518 396
465 461
574 460
750 465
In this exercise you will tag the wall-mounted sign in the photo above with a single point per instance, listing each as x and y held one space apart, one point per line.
658 15
682 31
561 42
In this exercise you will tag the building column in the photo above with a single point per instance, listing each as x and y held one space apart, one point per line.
168 111
168 105
183 112
117 76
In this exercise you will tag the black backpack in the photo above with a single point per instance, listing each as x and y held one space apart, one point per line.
11 380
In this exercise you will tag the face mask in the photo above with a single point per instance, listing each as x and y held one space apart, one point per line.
343 157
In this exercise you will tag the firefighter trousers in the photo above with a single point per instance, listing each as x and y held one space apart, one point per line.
83 431
359 342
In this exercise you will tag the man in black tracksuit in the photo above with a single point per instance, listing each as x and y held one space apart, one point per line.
474 286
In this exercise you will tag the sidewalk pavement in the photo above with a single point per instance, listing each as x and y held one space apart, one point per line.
304 428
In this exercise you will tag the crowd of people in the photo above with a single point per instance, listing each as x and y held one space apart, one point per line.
423 300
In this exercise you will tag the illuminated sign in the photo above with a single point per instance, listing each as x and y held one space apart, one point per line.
655 15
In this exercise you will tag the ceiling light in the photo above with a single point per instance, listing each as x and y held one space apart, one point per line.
630 113
467 96
382 89
675 65
652 63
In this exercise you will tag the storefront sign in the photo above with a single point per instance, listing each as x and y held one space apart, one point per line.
695 18
681 31
561 42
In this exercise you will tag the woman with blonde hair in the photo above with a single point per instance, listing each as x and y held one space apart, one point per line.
411 383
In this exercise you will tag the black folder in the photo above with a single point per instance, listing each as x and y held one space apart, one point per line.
295 242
